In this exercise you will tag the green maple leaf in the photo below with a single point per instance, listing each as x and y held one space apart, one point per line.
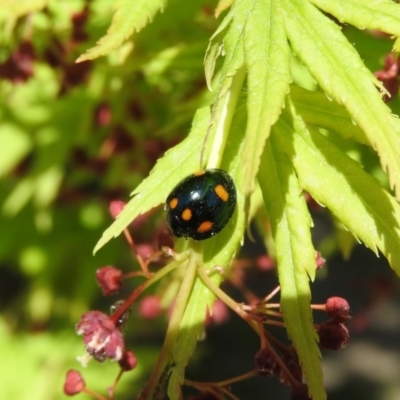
129 17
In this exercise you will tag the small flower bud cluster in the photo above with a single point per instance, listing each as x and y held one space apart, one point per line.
101 336
333 334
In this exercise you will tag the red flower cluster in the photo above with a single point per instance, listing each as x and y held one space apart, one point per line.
101 336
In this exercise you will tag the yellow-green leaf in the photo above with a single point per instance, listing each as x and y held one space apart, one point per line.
129 17
364 14
353 196
317 110
267 60
340 72
291 223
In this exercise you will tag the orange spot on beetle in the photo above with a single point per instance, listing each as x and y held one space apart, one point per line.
173 203
199 173
221 193
186 214
205 226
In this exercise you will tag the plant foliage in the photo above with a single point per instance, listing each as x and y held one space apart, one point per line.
288 96
260 37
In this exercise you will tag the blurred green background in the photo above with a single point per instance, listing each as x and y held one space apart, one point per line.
73 137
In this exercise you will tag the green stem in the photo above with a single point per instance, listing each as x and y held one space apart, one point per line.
225 120
226 382
236 307
173 327
137 292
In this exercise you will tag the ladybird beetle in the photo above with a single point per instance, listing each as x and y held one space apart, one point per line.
201 204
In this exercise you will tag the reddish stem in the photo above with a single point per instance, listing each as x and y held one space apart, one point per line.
111 390
93 394
319 307
137 292
271 295
139 258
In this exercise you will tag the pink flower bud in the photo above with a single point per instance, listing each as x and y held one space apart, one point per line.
338 309
74 383
109 279
150 306
265 263
319 260
128 361
115 207
219 315
145 250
